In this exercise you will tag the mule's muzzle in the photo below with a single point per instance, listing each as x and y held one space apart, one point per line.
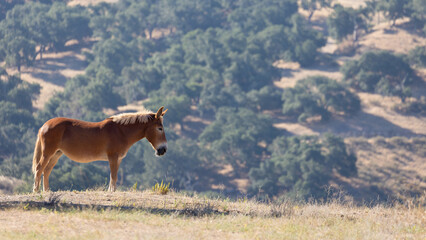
161 151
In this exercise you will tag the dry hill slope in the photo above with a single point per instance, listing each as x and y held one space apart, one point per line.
377 163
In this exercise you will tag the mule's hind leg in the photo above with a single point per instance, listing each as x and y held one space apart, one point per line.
46 154
44 160
46 173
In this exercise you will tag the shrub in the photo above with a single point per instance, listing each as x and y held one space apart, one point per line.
343 22
318 96
235 135
301 167
161 188
417 56
380 72
416 107
266 98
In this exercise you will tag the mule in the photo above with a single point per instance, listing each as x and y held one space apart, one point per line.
108 140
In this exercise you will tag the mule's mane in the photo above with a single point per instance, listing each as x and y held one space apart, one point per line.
131 118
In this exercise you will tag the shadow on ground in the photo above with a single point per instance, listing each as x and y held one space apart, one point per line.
63 207
361 124
364 125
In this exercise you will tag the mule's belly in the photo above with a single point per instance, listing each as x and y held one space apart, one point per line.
85 157
88 151
84 147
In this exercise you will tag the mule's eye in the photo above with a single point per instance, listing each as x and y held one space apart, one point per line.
161 129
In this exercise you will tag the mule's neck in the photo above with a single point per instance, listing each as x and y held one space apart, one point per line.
134 131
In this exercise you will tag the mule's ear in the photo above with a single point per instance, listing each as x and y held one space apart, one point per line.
164 112
159 112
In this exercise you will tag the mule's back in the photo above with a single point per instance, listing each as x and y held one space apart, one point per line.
79 140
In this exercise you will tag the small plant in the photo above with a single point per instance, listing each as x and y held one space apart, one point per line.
26 207
161 188
135 187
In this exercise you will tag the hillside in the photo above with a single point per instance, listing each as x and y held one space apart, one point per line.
101 215
376 119
54 69
388 144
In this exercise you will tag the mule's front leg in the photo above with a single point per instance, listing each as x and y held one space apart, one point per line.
114 164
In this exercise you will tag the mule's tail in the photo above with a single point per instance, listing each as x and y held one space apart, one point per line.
37 154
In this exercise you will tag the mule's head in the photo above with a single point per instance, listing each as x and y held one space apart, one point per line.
155 133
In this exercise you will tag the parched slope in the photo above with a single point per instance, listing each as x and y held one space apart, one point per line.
390 166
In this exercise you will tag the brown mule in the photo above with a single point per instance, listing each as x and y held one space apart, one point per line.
108 140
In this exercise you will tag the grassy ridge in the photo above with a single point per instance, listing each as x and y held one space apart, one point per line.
136 215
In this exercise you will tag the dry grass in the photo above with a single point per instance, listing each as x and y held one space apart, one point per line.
292 73
399 39
395 165
382 107
347 47
221 219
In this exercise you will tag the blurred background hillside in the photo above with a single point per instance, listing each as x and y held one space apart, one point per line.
271 99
